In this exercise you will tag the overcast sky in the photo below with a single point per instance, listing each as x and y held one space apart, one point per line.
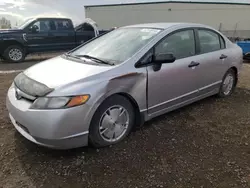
19 10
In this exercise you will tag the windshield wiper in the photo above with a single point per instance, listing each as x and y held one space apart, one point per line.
96 59
69 55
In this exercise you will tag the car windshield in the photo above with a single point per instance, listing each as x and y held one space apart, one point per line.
25 23
117 46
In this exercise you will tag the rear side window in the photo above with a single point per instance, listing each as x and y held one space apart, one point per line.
209 41
63 25
181 44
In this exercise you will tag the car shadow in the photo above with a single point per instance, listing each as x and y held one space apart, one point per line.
89 149
210 100
45 166
74 152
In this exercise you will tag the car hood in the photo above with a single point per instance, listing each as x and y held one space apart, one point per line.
58 71
87 21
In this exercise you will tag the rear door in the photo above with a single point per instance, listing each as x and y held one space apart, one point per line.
213 60
63 34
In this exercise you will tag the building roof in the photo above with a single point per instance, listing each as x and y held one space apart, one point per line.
130 2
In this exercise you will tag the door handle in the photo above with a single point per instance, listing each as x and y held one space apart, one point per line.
193 64
223 56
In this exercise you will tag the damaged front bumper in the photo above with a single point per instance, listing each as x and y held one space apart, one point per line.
59 129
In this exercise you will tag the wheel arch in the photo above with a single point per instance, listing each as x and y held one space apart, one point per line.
12 43
7 46
139 117
236 73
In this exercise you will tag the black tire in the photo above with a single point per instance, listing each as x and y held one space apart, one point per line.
246 56
95 137
10 58
2 58
222 93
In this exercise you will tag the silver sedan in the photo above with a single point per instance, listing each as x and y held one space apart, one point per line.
97 92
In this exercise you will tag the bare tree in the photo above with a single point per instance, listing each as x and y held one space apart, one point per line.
5 23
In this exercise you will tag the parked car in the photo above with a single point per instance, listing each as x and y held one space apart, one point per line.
245 46
44 35
97 92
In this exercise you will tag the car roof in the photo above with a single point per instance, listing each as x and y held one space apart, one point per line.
51 18
166 25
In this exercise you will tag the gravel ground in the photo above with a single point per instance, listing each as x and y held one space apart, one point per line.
206 144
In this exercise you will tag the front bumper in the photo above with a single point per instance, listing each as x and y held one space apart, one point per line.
59 129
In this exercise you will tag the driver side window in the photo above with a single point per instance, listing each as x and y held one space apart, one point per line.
41 26
181 44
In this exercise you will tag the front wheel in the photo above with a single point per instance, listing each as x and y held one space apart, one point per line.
228 84
14 54
112 121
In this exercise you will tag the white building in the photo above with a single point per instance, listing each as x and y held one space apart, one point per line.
231 17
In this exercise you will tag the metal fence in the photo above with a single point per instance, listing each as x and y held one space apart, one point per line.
237 34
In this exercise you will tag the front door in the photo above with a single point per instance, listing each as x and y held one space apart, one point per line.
174 83
38 40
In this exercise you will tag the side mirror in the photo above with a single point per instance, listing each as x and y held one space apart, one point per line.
164 58
159 59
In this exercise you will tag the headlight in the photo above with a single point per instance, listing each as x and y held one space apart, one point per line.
59 102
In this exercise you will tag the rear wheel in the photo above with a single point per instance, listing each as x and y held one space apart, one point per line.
228 84
14 54
246 56
112 122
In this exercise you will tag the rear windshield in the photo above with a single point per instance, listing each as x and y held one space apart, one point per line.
119 45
